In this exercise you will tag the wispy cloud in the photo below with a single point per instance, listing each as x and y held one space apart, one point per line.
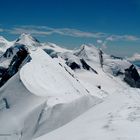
29 31
45 30
78 33
122 37
135 57
103 38
115 38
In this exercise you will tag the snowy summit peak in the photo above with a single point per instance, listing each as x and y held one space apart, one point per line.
4 44
87 51
23 35
27 37
86 47
2 39
28 40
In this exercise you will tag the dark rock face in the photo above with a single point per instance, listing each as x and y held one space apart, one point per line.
73 65
132 77
86 66
2 70
14 66
101 57
48 51
116 57
51 53
8 53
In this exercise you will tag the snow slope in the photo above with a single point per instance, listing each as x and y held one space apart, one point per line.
4 44
43 70
117 118
21 118
62 90
53 47
43 96
47 99
104 77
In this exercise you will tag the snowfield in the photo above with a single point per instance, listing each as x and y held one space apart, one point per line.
117 118
4 44
24 110
64 94
46 104
49 72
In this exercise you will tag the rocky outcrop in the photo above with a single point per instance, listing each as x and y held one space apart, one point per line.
79 64
73 65
14 66
132 77
116 57
86 66
2 70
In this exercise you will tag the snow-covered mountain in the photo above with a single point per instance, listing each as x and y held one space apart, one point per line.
28 40
4 44
49 92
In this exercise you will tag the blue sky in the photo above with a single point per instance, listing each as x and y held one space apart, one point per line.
112 24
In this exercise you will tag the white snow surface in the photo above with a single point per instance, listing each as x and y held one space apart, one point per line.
117 118
43 70
52 96
29 41
49 101
54 47
5 44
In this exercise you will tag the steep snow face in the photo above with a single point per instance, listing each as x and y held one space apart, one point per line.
31 114
43 96
29 41
20 119
4 44
50 78
66 96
